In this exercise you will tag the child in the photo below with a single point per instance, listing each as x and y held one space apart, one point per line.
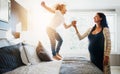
57 20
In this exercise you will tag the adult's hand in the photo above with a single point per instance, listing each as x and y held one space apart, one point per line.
74 23
43 3
106 59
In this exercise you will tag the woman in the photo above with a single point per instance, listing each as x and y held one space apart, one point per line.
57 20
99 42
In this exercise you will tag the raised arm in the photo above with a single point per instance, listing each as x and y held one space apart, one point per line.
68 26
79 35
47 8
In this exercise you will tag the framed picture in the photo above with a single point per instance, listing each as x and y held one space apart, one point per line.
4 10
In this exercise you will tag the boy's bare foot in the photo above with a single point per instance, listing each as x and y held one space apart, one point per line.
56 57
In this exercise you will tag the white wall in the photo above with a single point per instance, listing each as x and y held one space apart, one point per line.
81 5
118 28
76 4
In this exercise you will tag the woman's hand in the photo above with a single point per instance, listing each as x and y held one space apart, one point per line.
43 3
106 59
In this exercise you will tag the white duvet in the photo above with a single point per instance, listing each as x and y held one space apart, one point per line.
52 67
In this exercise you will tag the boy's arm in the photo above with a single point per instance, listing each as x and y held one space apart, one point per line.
47 8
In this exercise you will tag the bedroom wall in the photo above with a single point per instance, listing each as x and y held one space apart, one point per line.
118 29
115 58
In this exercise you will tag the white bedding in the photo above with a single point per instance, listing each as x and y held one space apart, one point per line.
52 67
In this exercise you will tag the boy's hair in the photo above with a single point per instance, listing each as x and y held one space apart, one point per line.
59 6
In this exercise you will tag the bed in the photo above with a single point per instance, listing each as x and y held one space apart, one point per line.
78 65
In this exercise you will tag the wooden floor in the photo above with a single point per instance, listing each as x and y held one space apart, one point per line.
115 69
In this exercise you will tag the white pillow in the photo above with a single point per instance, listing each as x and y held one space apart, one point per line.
15 41
31 54
4 42
2 33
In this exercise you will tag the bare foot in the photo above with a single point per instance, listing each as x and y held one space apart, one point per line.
56 57
59 55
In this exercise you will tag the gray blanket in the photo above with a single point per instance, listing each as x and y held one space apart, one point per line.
78 65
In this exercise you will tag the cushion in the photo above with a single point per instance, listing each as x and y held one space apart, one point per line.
2 31
42 53
10 58
30 51
4 42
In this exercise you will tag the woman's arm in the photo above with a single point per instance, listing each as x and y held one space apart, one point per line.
107 46
79 35
47 8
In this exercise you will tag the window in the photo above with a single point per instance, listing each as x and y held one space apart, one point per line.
72 45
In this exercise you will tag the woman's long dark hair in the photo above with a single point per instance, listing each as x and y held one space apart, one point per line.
103 21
